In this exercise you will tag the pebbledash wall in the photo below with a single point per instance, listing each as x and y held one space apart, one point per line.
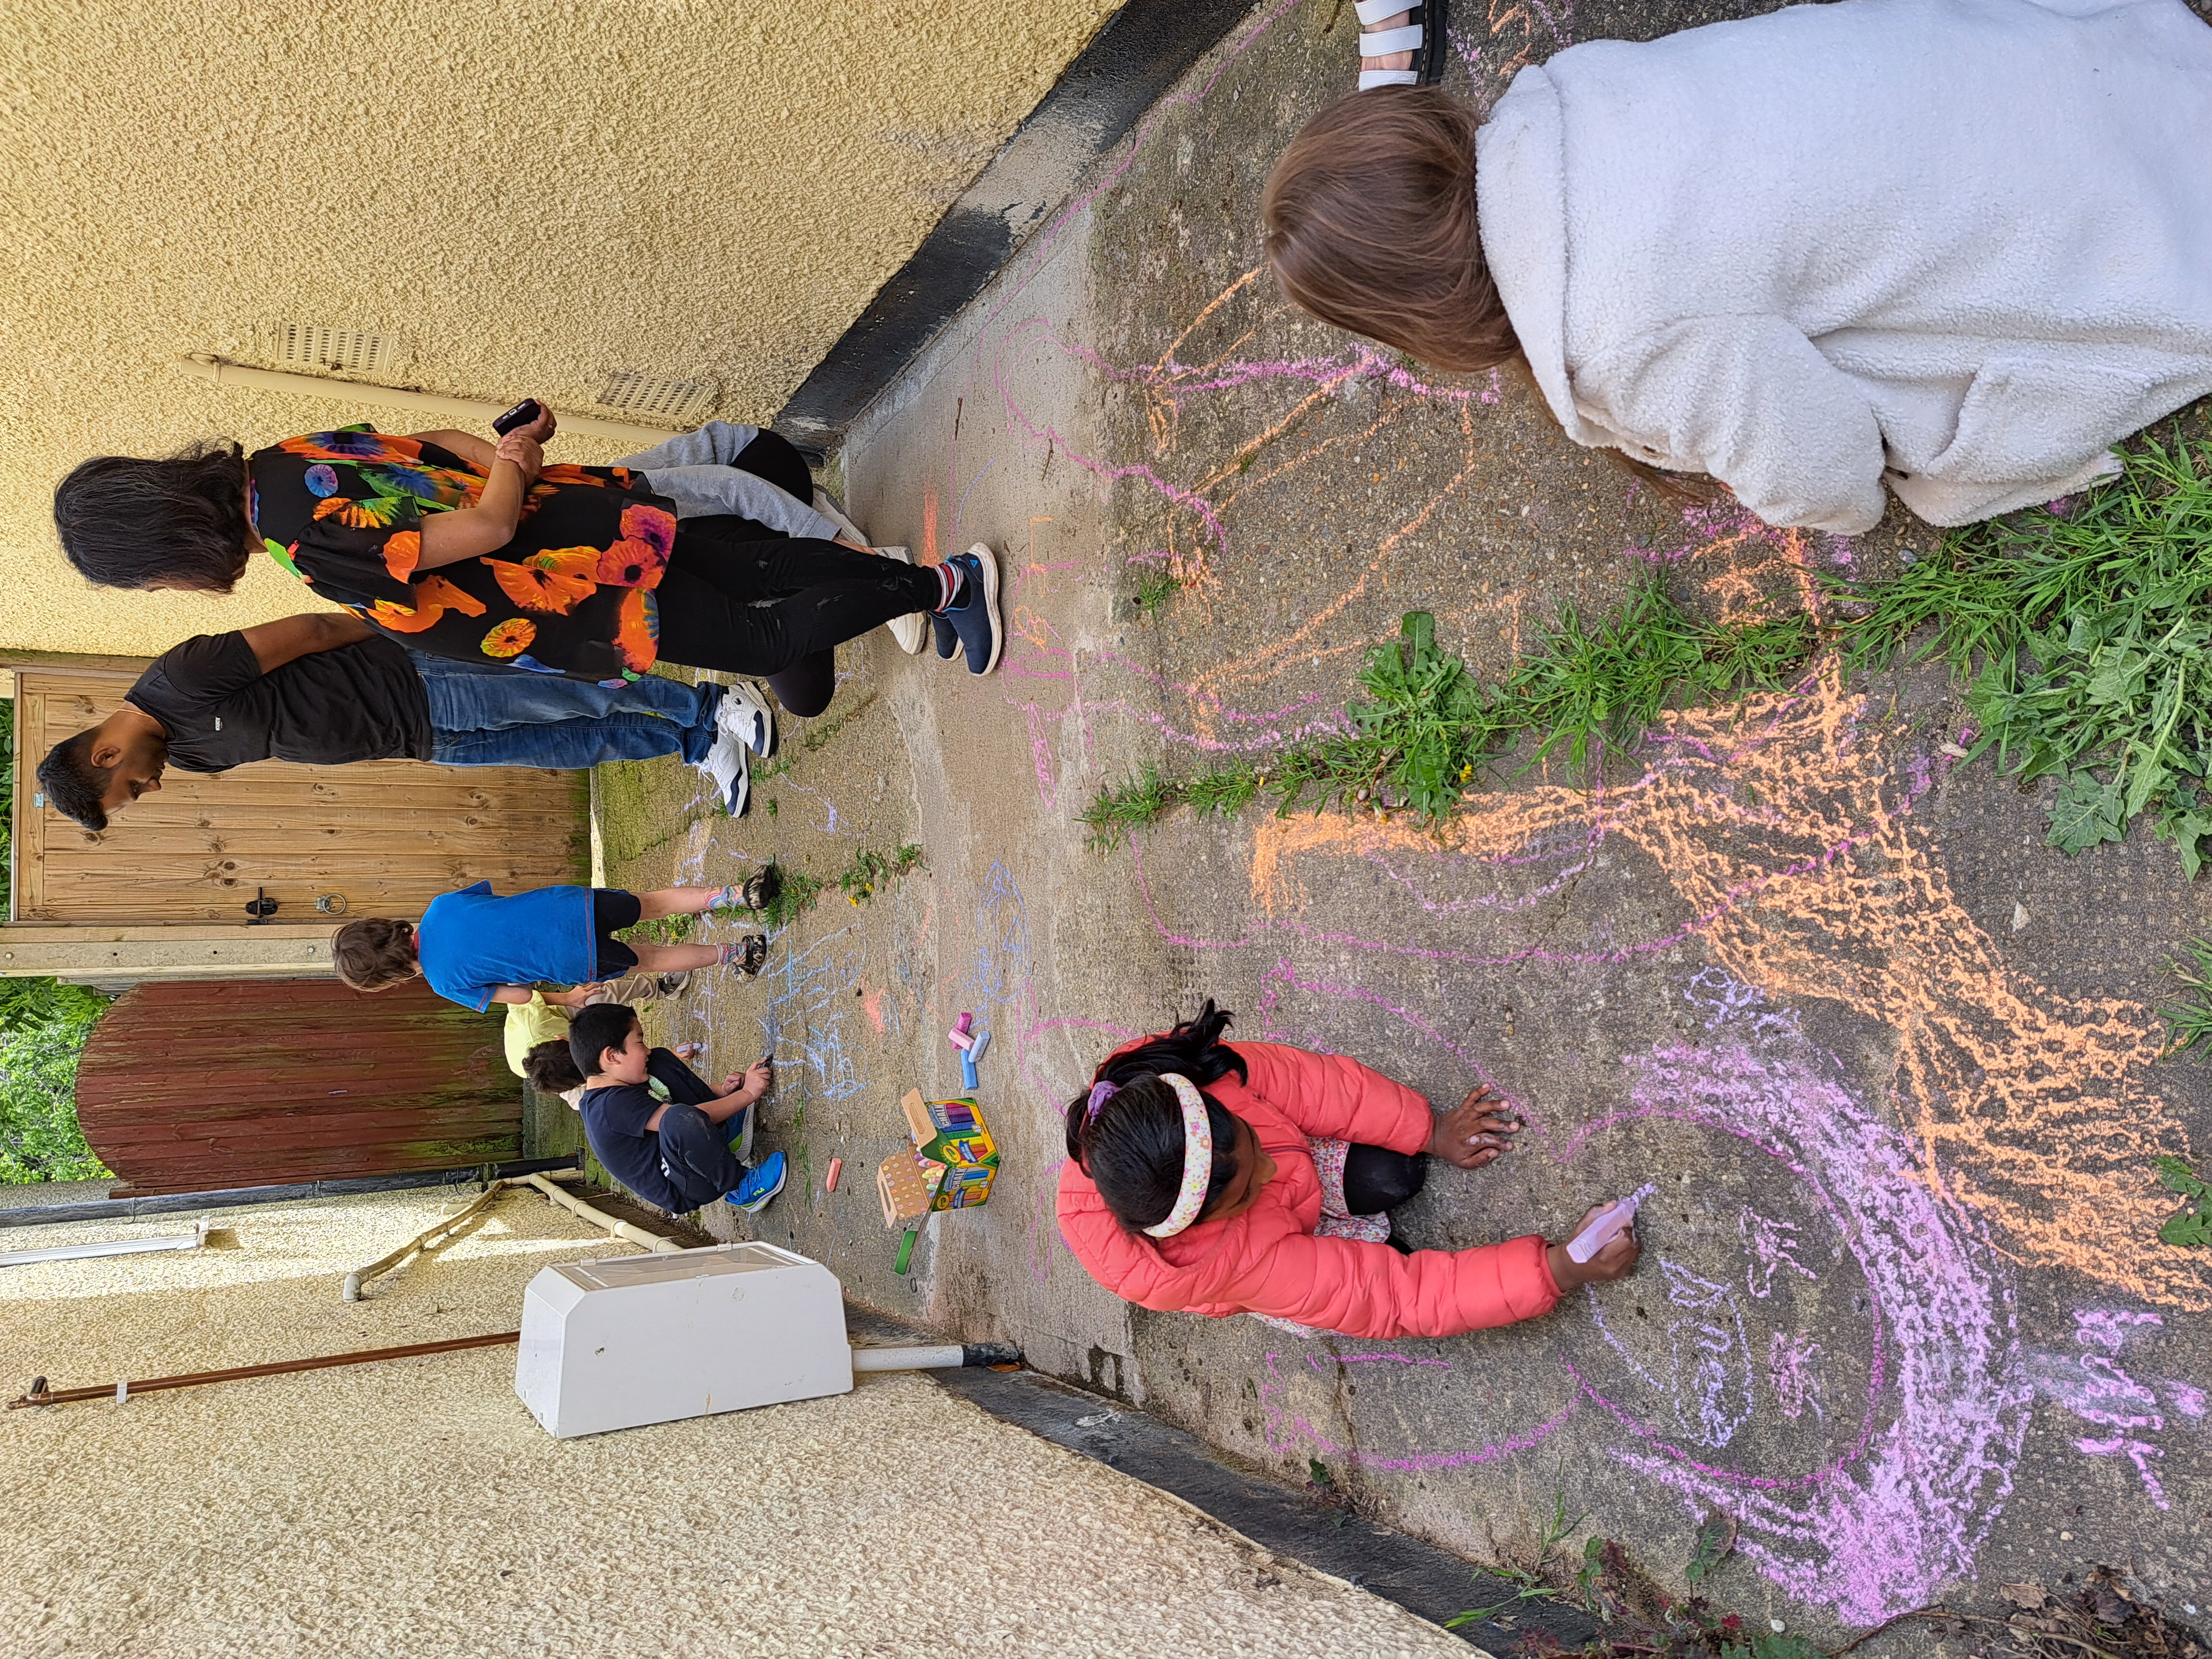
529 198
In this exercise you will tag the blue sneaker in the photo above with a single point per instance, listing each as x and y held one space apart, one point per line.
941 633
742 1142
761 1183
974 617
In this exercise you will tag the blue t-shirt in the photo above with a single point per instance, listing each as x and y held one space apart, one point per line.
614 1123
471 943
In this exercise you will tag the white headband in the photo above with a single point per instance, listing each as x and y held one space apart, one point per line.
1197 1158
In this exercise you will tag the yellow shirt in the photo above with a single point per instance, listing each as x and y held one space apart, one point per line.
528 1024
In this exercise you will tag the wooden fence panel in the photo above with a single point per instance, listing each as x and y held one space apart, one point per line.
388 836
187 1087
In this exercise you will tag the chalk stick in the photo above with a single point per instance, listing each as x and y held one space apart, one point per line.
960 1039
982 1041
830 1180
905 1254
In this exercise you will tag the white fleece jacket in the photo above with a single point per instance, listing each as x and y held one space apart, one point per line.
1957 246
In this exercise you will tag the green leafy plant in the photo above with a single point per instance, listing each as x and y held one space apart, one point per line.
1426 730
2190 1227
1716 1542
790 897
44 1025
2082 642
870 869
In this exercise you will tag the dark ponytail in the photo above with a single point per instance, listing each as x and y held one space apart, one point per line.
125 522
1134 1151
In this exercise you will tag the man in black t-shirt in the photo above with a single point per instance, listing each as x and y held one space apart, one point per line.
327 688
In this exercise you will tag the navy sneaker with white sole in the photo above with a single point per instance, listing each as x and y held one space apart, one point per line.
973 617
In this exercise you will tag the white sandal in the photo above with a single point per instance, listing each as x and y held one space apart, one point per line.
1422 38
911 631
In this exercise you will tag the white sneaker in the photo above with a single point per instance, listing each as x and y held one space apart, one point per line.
745 715
911 631
729 768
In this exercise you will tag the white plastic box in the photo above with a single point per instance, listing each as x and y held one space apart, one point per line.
649 1338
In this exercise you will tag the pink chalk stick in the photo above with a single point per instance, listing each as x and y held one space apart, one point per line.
960 1039
1609 1224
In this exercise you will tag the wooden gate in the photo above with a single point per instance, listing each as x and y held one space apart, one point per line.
385 837
190 1087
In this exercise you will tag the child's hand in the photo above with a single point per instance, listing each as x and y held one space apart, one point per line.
1473 1132
1613 1262
756 1079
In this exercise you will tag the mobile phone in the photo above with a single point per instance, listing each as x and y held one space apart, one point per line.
522 414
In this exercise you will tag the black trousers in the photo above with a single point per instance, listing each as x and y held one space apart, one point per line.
1377 1179
819 594
695 1150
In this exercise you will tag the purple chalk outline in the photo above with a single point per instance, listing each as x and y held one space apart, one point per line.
1903 1510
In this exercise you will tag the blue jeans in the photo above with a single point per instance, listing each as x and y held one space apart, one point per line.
484 714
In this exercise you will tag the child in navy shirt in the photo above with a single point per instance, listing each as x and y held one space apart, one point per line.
477 949
657 1127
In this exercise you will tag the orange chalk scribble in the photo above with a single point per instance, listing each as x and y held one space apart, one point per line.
2030 1107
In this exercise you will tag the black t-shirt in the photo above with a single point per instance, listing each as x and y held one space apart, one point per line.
360 701
614 1123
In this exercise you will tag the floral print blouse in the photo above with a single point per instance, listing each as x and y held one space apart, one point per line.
571 595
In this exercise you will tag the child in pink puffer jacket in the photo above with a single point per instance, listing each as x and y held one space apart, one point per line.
1215 1179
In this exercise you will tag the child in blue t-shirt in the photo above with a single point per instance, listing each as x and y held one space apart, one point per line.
476 948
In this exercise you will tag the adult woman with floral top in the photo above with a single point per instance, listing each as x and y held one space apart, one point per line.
482 552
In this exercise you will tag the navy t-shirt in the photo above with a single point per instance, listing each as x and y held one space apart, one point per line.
614 1123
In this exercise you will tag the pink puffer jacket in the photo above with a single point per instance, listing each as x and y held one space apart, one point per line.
1267 1260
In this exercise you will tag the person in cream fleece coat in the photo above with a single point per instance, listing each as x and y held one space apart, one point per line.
1957 248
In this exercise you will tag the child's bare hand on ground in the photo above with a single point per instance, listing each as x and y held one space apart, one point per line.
1613 1262
1474 1132
755 1080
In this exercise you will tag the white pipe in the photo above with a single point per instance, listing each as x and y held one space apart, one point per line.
622 1229
944 1356
365 391
191 1240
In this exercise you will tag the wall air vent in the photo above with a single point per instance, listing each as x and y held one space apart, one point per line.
349 350
678 403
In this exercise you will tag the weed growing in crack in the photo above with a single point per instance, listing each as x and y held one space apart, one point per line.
869 870
1155 586
1427 729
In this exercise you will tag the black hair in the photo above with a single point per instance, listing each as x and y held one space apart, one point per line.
130 522
593 1030
1134 1152
73 783
551 1067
